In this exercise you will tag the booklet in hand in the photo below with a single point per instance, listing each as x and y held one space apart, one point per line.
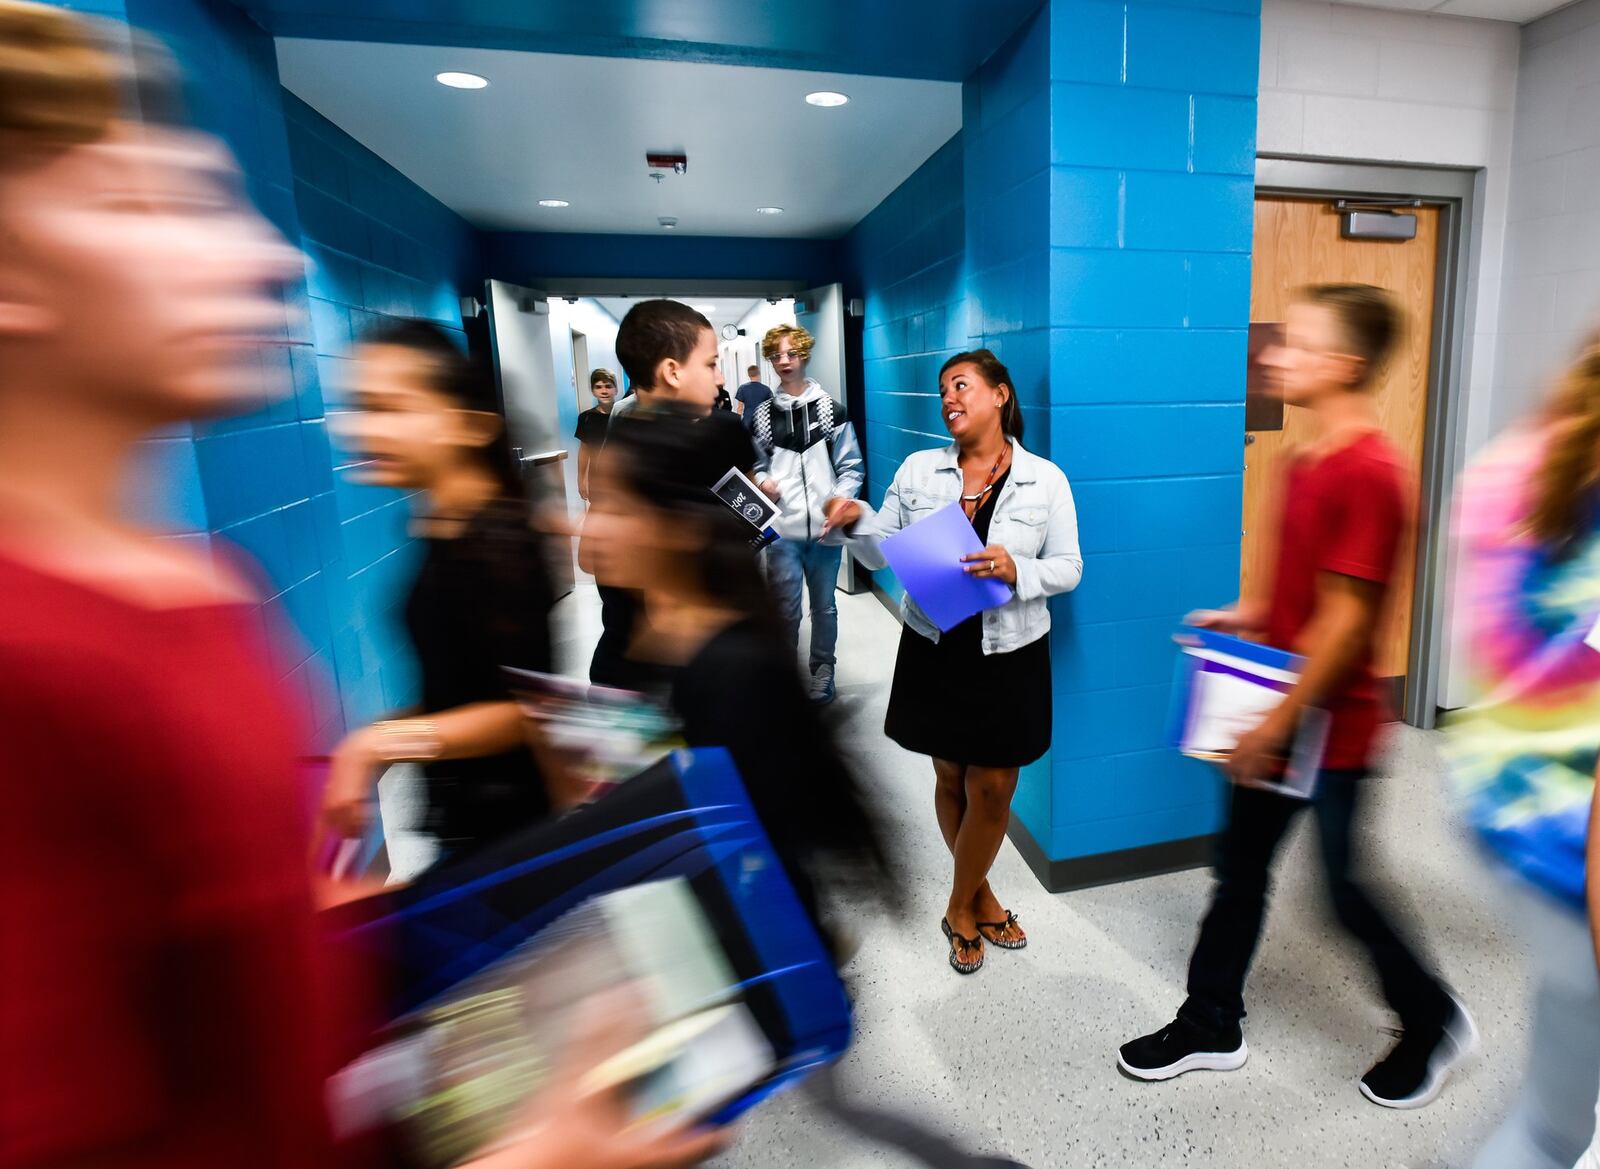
926 556
750 503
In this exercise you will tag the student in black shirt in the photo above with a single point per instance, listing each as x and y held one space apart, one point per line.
657 529
669 353
592 423
426 422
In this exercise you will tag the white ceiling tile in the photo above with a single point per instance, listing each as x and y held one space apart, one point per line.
578 128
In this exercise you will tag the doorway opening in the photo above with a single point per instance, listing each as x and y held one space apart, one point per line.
1298 241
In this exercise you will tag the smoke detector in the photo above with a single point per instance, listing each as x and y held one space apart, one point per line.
657 160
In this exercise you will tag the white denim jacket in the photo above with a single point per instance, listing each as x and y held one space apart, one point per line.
1034 520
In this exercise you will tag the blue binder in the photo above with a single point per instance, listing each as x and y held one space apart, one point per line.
688 816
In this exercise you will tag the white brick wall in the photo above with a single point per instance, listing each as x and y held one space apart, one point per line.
1551 295
1370 85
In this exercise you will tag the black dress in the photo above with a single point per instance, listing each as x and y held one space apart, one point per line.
481 601
952 701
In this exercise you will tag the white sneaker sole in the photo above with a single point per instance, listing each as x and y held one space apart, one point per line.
1200 1061
1464 1040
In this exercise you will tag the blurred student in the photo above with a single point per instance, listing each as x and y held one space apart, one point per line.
657 530
592 423
806 455
669 352
1523 753
724 401
1591 1158
163 1001
750 395
977 698
1346 510
425 422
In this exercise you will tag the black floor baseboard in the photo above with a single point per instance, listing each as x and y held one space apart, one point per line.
1108 868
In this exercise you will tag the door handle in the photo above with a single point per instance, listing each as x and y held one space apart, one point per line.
1249 439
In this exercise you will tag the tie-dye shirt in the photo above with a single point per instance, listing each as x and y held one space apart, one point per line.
1522 755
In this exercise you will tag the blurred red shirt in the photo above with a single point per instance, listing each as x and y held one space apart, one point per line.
160 1002
1345 513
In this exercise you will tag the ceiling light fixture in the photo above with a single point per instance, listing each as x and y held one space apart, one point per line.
827 99
668 221
769 210
554 203
461 80
704 308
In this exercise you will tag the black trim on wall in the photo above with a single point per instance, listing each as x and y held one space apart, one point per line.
1109 868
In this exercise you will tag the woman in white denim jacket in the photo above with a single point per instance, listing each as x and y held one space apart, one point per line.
977 699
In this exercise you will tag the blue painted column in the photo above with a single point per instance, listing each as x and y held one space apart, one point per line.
1125 316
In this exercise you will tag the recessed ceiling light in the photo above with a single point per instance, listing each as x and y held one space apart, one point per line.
704 308
461 80
769 210
554 203
668 221
827 98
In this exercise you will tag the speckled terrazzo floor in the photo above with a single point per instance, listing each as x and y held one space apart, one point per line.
1017 1062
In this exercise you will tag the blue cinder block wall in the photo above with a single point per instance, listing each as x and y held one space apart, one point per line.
1152 164
377 246
334 556
257 480
1092 224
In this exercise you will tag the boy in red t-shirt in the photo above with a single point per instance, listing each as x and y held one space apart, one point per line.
1346 508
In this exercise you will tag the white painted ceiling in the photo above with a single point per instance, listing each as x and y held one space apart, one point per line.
578 128
1516 11
724 310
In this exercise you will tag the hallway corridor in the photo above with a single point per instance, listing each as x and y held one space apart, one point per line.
1019 1060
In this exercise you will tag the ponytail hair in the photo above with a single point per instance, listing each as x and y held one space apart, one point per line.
1566 481
993 372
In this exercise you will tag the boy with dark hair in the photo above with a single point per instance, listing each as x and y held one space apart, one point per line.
592 423
1345 512
669 352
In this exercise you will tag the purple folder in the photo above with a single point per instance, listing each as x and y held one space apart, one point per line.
927 558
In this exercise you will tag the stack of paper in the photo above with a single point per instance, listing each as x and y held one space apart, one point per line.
603 735
1225 687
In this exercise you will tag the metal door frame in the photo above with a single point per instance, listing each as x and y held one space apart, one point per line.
1458 193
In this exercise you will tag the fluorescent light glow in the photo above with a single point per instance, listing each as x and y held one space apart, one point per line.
769 210
704 308
461 80
827 99
554 203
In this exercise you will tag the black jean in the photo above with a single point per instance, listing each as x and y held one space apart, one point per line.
1257 823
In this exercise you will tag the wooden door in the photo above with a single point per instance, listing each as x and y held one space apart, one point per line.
1298 243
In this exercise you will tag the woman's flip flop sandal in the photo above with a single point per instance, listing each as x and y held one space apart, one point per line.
958 945
984 928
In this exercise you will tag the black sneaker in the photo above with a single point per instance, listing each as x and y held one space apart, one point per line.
1413 1074
1181 1047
